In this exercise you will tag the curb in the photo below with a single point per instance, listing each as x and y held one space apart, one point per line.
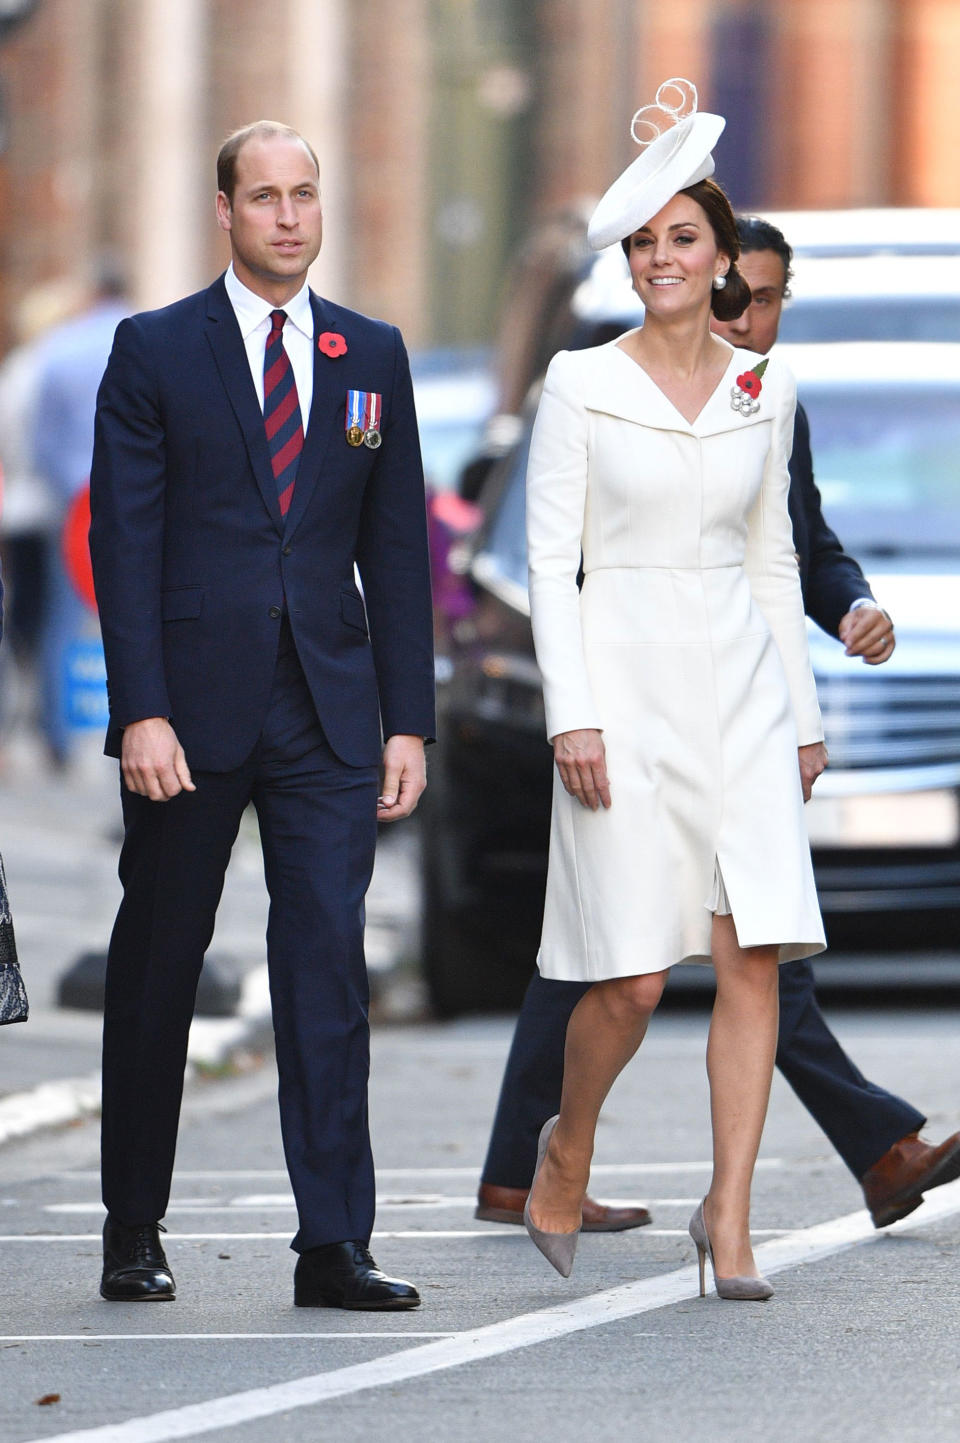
213 1043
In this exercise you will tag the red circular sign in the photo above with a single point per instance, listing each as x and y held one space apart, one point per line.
76 547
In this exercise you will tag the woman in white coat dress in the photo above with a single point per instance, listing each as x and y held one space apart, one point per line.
679 696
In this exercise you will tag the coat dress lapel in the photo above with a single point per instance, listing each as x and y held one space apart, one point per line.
620 387
229 352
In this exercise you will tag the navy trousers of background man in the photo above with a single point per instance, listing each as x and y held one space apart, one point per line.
317 820
860 1119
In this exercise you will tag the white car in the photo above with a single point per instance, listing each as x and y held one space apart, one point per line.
890 230
894 295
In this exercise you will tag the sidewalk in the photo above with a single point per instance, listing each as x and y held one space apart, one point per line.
60 838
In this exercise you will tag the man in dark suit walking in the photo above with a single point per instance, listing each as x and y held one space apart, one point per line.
255 443
875 1132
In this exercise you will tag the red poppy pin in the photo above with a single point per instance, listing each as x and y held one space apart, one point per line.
332 344
743 396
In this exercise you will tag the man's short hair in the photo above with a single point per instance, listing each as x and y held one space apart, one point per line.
257 130
760 235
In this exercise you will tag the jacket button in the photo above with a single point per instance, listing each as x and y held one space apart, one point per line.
275 612
287 550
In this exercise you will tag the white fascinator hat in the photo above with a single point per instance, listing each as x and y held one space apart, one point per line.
675 153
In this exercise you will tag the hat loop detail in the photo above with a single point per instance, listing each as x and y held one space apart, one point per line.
687 92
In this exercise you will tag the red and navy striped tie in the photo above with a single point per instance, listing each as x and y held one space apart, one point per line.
281 412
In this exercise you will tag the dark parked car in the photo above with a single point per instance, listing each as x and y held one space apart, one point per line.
885 819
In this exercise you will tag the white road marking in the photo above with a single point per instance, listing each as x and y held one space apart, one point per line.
196 1337
262 1203
485 1230
601 1169
526 1330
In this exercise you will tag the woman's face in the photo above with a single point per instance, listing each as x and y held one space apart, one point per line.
674 258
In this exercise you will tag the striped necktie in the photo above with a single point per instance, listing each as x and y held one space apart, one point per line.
281 412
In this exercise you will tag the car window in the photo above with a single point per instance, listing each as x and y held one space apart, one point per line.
504 548
447 446
873 318
885 460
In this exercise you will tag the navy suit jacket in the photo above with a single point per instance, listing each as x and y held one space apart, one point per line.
830 579
193 563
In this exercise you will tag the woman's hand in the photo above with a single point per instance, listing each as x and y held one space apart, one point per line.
813 759
581 761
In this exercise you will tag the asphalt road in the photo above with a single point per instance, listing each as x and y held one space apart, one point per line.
859 1343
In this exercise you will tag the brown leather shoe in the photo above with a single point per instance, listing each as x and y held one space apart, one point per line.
895 1185
505 1205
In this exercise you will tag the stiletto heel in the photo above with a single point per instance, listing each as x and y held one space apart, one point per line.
740 1289
557 1248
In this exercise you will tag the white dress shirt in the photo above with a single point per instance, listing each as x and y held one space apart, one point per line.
253 317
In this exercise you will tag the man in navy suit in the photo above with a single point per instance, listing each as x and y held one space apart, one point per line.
875 1132
254 444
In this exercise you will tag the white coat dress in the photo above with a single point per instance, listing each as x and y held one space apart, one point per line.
687 647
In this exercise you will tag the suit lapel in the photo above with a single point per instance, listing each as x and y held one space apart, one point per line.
230 354
327 381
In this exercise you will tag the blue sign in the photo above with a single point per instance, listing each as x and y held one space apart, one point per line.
85 684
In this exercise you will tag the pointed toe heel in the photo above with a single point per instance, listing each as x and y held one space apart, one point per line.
737 1289
559 1249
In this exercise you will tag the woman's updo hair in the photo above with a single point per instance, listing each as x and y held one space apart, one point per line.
732 301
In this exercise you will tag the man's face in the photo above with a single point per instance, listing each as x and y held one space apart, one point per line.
274 222
756 329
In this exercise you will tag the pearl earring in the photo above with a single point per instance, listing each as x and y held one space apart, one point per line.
719 282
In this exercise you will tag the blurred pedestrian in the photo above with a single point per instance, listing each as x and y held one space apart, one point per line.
875 1132
679 696
254 443
73 358
28 538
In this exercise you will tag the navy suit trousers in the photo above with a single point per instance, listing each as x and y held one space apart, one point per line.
317 819
861 1120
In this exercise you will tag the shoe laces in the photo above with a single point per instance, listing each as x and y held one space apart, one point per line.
144 1245
361 1254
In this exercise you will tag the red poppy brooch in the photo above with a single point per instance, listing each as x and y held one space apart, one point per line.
743 396
332 344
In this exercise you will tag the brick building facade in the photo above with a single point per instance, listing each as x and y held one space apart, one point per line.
444 127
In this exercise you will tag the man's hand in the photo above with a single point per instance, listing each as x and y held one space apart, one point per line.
404 778
152 760
813 759
868 632
581 760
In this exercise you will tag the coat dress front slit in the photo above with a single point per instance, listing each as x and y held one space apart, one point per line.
687 648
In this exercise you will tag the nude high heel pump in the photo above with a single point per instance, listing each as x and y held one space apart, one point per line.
557 1248
753 1290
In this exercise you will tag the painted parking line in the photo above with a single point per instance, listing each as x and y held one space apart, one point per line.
806 1246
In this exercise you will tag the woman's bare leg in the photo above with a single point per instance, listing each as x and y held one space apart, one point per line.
606 1027
740 1055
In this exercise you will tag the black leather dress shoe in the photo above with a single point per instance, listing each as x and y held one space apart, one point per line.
344 1275
134 1266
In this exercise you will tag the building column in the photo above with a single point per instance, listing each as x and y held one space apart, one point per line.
928 103
316 102
171 179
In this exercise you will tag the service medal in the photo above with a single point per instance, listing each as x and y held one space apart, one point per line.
363 419
355 410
